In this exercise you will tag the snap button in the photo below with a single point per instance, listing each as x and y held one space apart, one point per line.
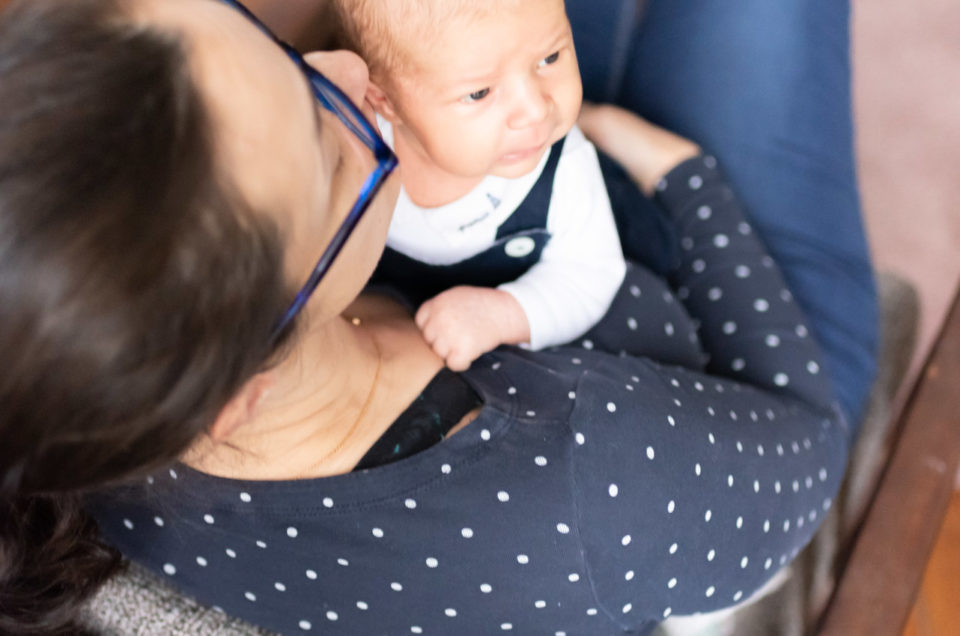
520 246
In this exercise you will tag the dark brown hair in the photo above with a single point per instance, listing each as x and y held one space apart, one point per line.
137 292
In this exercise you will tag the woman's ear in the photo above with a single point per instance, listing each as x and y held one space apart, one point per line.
241 408
381 102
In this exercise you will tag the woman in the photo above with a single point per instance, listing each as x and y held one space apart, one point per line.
162 205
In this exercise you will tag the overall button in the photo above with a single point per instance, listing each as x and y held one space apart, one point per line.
520 246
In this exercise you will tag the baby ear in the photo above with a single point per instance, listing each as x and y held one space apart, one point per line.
381 102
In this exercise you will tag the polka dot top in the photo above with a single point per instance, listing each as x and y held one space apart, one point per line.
594 494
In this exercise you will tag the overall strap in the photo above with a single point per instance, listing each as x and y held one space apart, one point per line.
532 212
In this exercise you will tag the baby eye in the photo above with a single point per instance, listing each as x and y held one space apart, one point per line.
550 59
475 96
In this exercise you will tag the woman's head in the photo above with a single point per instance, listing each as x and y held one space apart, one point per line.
167 180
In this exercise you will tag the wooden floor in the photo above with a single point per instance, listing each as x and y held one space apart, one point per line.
937 610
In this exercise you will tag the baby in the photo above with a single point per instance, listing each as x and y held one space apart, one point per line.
503 232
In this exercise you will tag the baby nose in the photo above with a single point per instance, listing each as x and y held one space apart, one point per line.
530 108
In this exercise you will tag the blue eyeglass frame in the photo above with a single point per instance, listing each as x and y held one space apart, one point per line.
333 99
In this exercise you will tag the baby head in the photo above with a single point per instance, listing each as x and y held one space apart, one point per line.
471 87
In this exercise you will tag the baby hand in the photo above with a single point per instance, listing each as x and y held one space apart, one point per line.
464 322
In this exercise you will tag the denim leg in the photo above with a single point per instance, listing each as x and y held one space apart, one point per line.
764 86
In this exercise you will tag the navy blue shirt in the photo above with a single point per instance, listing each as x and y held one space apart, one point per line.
594 494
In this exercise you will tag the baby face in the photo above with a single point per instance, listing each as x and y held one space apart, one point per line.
489 91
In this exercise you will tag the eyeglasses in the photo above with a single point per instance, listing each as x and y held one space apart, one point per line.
334 100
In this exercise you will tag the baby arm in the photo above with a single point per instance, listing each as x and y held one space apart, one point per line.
465 322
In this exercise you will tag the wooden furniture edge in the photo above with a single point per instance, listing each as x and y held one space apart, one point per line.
878 586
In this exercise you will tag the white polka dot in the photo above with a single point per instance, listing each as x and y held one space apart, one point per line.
573 577
613 490
572 395
579 439
311 574
697 469
730 481
245 497
523 559
485 435
280 587
766 525
588 344
672 583
445 469
432 562
767 564
673 548
729 327
563 528
250 596
772 341
467 533
576 360
801 331
813 368
710 591
737 596
629 575
611 407
305 625
671 506
786 525
667 612
327 502
671 421
531 413
506 626
699 265
592 611
292 532
410 503
486 588
627 608
332 616
396 587
715 294
743 562
450 612
169 569
739 446
661 185
739 522
173 473
708 515
261 544
695 182
761 305
540 604
704 212
208 519
416 629
512 390
738 364
744 228
231 553
823 474
741 271
781 379
201 562
540 460
686 243
650 452
711 555
377 532
756 486
710 161
362 606
503 496
625 541
721 240
632 324
128 524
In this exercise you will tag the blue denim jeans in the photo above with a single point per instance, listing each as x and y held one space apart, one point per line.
765 87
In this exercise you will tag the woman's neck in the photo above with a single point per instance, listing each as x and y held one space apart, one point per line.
329 401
